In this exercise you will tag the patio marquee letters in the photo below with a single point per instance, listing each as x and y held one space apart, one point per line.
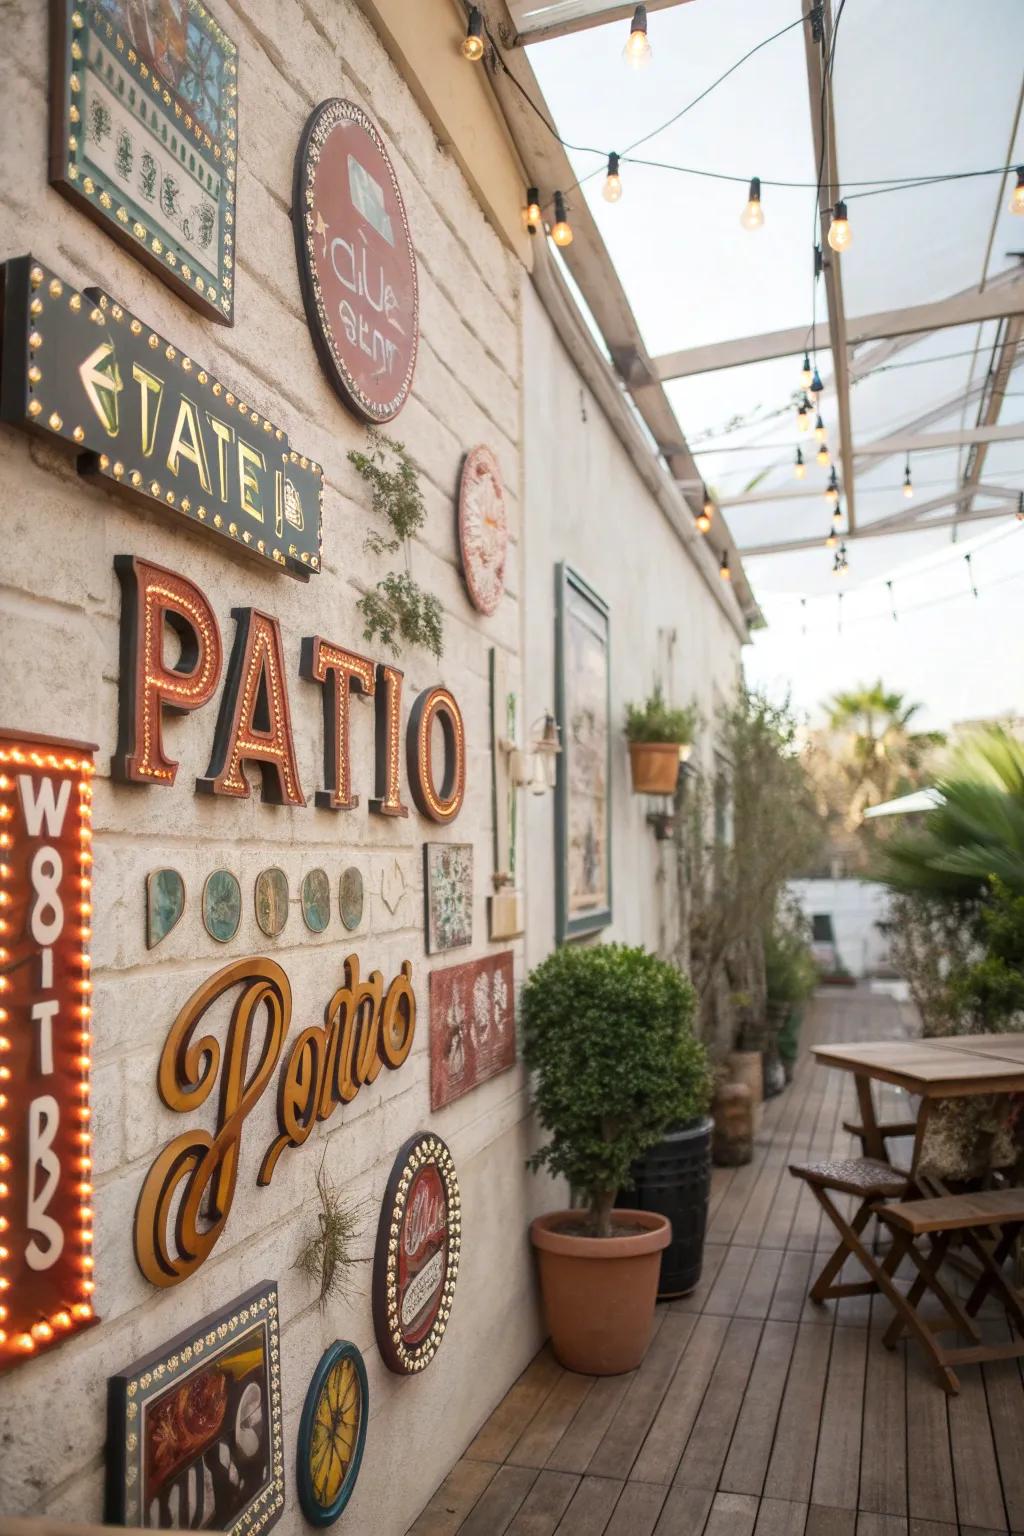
150 422
254 723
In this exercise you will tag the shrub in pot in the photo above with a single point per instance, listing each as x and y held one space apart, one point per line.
607 1033
659 737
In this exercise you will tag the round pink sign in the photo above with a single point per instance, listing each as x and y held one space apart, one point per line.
483 529
356 261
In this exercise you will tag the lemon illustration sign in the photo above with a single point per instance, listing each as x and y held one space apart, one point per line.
332 1433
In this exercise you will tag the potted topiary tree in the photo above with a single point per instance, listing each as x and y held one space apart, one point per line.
607 1033
659 740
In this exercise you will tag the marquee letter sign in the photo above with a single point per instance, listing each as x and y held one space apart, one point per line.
150 422
46 1282
416 1261
143 125
356 261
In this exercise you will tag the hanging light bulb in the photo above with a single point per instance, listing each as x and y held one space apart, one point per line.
831 539
705 514
723 569
532 215
799 468
840 236
832 489
819 429
1017 196
908 489
1020 508
817 387
752 216
473 42
637 52
844 564
805 373
612 189
561 230
837 516
823 456
803 415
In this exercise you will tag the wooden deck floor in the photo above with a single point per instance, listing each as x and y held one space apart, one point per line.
755 1413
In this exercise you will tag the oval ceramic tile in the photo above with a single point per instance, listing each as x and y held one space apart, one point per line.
350 897
271 897
222 905
316 900
165 902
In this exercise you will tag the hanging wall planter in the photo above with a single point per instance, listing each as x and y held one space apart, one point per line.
654 766
659 740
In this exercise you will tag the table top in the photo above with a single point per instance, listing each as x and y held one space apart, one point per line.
953 1067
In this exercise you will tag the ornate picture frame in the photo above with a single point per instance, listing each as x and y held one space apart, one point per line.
332 1433
583 853
143 136
195 1427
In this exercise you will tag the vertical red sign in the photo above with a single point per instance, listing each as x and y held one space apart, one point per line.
46 1280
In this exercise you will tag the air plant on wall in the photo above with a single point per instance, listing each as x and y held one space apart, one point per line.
326 1258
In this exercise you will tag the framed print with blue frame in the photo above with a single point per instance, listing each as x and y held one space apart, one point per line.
583 856
332 1433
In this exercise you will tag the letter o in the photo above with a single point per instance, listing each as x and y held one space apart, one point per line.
442 804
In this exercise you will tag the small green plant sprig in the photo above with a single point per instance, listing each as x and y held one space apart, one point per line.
656 721
326 1258
397 612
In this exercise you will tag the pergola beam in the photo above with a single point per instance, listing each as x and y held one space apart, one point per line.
814 493
956 437
968 308
881 530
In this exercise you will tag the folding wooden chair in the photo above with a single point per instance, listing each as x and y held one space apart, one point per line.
869 1181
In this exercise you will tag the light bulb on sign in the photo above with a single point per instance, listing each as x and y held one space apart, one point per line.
752 216
637 52
612 189
840 236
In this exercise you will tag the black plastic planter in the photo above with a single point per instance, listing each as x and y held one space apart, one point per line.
673 1179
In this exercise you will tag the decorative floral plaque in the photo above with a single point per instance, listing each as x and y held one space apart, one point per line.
472 1026
483 529
448 895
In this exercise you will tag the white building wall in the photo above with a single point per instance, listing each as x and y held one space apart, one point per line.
856 908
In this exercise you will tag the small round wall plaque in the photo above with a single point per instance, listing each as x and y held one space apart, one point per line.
271 898
356 260
222 905
350 897
416 1260
332 1433
483 529
315 895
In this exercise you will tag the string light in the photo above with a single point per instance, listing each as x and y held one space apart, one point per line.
803 415
532 216
637 52
840 236
823 456
473 42
831 539
832 489
799 467
752 216
817 387
612 189
723 569
1016 204
705 514
837 516
806 376
819 429
892 602
561 230
908 489
1020 508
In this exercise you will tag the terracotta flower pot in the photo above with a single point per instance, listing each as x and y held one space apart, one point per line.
599 1292
655 766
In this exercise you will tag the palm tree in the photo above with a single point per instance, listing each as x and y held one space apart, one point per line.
883 756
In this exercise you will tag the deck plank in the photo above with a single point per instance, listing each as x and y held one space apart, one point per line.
505 1425
777 1517
979 1498
749 1454
732 1514
668 1434
454 1499
685 1512
575 1450
709 1442
929 1463
500 1502
625 1434
791 1469
542 1434
544 1505
638 1510
837 1469
591 1507
883 1463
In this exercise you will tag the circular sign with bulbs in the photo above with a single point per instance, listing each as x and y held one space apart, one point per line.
356 261
417 1256
483 529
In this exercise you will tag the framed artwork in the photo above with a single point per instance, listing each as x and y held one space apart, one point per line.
357 266
583 873
483 529
332 1433
448 895
143 136
195 1428
416 1260
472 1026
46 1219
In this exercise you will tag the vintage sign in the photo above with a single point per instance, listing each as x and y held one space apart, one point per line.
448 895
150 422
195 1440
472 1025
416 1260
483 529
187 1194
332 1433
356 261
143 131
46 1265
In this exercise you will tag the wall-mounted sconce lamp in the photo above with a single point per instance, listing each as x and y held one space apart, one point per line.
535 766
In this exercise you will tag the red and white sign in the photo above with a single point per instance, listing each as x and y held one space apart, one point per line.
356 260
419 1240
46 1280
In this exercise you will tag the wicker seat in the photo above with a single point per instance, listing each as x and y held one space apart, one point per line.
870 1182
863 1176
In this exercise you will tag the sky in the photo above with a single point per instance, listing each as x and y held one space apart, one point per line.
920 89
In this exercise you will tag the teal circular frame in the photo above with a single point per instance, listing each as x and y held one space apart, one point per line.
315 1512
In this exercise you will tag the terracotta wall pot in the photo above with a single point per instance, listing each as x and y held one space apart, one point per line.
655 766
599 1292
